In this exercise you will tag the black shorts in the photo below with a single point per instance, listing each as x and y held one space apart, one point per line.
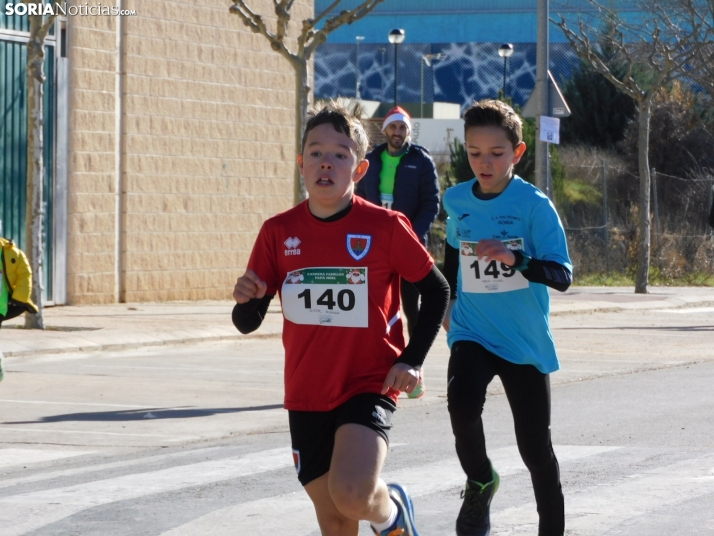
313 432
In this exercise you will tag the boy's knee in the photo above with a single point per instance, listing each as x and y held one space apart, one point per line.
462 412
352 500
538 459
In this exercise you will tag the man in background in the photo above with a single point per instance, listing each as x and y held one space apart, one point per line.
402 176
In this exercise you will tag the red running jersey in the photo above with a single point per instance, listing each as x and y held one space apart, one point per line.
339 289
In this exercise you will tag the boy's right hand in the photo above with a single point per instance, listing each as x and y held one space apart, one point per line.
249 286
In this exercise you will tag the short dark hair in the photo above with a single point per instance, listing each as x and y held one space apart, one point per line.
343 120
494 113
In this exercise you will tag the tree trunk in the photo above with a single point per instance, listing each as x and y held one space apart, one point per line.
302 101
643 249
34 211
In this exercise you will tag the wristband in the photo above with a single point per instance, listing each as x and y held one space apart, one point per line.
522 260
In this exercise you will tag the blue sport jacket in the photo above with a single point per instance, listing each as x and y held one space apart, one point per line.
416 186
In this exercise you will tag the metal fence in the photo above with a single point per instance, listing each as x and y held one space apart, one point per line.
604 238
602 230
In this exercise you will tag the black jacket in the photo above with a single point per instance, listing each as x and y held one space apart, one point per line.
416 186
711 213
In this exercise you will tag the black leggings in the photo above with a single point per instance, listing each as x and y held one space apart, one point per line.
471 369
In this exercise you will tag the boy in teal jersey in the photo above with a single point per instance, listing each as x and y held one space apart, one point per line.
505 246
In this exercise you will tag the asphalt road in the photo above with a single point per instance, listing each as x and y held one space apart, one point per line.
191 439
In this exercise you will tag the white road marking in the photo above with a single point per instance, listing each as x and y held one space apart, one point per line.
686 311
29 511
53 431
598 509
590 512
297 516
97 468
13 457
47 403
188 369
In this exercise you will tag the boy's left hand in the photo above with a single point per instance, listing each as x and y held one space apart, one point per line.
401 377
496 250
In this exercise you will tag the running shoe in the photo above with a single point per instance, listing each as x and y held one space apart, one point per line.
474 517
404 525
418 391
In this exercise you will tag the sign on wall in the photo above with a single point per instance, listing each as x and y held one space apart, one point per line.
437 134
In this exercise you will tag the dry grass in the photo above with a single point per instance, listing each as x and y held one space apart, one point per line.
682 245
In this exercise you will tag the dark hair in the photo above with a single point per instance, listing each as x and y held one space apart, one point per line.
343 120
494 113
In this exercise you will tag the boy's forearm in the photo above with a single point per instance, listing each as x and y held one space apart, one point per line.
549 273
451 268
434 291
247 317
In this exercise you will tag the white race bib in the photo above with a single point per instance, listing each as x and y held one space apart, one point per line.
480 276
326 297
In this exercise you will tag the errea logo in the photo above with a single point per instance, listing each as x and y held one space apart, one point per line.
292 245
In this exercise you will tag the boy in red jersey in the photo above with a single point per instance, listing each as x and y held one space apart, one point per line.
345 357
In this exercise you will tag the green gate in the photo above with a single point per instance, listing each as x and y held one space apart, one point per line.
13 140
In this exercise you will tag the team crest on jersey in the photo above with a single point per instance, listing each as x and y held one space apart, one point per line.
296 460
358 245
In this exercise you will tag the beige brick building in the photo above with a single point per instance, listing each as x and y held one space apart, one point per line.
180 144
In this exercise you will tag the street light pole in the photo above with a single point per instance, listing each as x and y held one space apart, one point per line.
427 58
542 160
505 51
358 38
396 36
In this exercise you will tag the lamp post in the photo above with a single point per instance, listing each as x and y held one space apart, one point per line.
427 58
396 36
358 39
505 51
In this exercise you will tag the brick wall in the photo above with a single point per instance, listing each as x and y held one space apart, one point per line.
207 146
91 216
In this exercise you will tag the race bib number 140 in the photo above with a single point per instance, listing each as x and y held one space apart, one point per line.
482 276
326 297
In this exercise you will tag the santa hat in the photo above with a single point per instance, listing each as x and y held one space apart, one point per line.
397 114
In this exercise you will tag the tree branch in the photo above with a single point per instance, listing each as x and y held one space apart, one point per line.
586 50
327 10
257 25
345 17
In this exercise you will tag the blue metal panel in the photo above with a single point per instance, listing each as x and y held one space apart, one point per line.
468 71
13 139
464 21
19 23
13 147
430 7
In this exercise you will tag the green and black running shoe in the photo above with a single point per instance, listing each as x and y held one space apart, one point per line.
474 516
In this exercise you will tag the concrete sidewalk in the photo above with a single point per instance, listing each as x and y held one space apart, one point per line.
127 325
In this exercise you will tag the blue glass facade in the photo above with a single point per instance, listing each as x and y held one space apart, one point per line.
468 32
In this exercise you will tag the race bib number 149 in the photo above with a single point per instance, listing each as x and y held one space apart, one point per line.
326 297
481 276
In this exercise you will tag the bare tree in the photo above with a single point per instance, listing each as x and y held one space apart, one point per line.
35 212
655 50
702 69
309 39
